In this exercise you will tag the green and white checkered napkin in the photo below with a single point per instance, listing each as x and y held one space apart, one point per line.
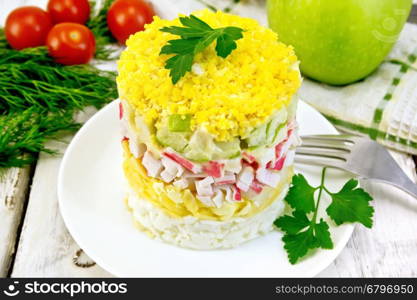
383 106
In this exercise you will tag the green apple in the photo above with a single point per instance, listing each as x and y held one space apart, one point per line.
339 41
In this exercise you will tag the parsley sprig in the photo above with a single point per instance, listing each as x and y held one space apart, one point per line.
196 35
303 231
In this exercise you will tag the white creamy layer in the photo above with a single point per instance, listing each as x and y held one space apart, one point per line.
190 232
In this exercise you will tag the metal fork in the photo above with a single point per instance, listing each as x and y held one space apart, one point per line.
358 155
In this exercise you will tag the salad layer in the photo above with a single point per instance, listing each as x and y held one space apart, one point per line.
228 96
181 202
223 181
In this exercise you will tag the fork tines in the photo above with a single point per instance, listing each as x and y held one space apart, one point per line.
331 150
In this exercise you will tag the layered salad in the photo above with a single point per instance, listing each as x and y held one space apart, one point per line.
208 159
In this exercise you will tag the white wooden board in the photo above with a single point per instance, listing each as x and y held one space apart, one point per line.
13 193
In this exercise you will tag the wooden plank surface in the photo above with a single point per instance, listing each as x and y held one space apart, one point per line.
13 184
13 193
46 248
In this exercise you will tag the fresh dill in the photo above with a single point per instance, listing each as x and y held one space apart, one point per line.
39 98
23 134
30 78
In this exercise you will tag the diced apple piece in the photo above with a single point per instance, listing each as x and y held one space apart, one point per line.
232 165
179 123
267 156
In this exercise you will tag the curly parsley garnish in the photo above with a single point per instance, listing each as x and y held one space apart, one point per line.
302 229
196 35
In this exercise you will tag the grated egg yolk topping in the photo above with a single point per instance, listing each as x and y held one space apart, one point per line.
228 96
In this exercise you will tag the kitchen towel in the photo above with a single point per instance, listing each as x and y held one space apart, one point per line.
382 107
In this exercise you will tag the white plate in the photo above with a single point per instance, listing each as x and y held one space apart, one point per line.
90 191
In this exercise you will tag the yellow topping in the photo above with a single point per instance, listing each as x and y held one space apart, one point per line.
181 203
228 96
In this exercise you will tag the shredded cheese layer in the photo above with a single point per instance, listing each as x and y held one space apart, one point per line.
229 97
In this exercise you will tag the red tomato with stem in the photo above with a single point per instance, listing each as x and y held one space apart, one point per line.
126 17
27 26
74 11
71 44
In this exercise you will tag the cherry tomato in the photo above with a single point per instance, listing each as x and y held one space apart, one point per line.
71 44
75 11
27 26
126 17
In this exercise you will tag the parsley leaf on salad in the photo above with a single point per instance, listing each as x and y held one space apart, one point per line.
196 35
